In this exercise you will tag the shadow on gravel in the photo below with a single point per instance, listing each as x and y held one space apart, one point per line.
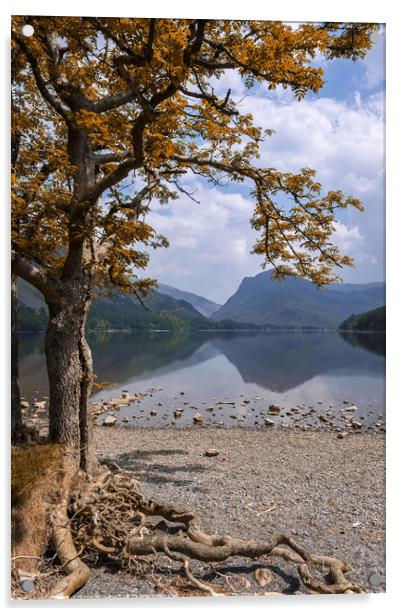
149 453
154 472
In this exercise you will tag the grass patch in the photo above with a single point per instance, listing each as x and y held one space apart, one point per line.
36 472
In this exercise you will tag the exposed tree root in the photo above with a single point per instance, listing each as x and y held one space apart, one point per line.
78 573
111 516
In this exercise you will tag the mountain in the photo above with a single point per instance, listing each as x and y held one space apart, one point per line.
205 306
371 321
115 312
159 311
294 302
29 296
122 312
31 308
259 301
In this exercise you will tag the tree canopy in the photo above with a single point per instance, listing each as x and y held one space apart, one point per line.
110 113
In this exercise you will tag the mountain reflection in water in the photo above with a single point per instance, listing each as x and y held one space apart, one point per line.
293 364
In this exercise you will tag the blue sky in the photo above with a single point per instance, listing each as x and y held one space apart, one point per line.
339 132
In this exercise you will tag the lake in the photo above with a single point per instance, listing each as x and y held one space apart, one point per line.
236 375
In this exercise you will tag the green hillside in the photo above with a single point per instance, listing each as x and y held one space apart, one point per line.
371 321
160 312
122 312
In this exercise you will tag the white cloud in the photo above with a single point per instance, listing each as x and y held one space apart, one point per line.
230 80
210 243
322 133
346 237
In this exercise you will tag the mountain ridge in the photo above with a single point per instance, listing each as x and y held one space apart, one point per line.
298 303
258 303
205 306
122 312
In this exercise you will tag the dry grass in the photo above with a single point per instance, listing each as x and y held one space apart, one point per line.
36 471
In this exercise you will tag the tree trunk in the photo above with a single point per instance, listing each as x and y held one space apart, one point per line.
88 462
17 433
69 365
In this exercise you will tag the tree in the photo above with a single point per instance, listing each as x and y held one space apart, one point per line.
110 114
17 432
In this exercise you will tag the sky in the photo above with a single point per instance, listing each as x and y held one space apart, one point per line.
339 132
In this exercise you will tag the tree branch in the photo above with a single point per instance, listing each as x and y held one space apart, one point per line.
111 102
35 276
53 101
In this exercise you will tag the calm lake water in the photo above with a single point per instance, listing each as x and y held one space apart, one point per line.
194 371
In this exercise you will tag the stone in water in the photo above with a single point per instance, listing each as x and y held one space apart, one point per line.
110 420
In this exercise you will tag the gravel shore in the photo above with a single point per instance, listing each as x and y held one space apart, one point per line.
327 492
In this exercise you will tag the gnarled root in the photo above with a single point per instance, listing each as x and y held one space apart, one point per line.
78 573
111 516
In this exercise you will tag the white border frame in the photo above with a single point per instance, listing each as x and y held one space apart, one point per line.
387 12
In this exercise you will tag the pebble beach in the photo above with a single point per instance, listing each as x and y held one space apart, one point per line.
326 491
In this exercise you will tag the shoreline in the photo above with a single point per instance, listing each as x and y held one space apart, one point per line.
326 492
257 329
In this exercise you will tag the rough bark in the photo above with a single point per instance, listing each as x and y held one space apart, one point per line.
69 366
17 433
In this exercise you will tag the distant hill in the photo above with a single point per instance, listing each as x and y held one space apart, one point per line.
115 312
29 296
371 321
259 302
205 306
122 312
161 312
294 302
31 308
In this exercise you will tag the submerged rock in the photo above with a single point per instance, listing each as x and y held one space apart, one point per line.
110 420
274 408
